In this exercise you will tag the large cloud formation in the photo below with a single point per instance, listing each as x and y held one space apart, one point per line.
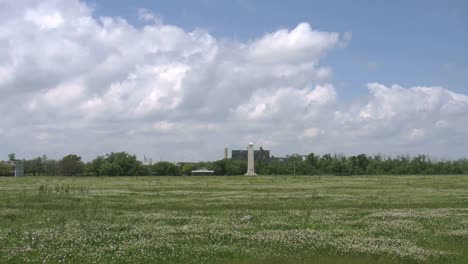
73 82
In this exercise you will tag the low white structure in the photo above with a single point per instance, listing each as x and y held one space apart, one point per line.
250 160
18 168
202 172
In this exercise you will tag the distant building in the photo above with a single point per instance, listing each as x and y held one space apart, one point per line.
261 154
17 167
147 161
202 172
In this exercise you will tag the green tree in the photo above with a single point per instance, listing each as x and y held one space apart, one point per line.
71 165
164 168
34 166
219 167
128 163
313 159
144 170
236 167
362 163
95 165
5 169
12 156
326 164
186 169
110 169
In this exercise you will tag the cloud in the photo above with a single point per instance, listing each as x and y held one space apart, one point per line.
58 97
301 44
415 119
72 82
44 20
147 15
398 103
417 134
285 103
312 132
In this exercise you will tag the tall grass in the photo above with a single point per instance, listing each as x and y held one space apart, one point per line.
385 219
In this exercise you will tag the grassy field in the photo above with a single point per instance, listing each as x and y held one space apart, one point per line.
282 219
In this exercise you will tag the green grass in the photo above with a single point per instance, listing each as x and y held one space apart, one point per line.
281 219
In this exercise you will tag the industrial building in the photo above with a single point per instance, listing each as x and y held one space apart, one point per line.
261 154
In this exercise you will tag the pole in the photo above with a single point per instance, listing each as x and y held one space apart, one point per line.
294 164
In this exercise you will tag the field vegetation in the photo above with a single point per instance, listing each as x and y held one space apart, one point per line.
279 219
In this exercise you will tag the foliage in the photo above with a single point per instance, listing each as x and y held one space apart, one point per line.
5 169
71 165
236 167
124 164
115 164
110 169
35 166
361 164
164 168
186 169
95 166
127 163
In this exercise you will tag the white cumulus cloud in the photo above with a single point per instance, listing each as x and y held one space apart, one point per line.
72 82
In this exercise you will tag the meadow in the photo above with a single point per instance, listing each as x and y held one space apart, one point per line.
278 219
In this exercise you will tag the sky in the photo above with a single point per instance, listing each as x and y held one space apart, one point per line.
180 80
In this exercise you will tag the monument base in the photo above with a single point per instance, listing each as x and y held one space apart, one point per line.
250 173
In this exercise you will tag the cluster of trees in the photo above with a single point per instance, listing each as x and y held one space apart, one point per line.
124 164
362 164
5 169
328 164
113 164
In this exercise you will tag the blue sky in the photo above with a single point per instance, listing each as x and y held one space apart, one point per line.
91 77
412 43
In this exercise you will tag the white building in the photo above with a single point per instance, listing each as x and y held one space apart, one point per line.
202 172
18 167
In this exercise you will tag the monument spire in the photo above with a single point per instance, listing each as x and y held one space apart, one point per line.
250 160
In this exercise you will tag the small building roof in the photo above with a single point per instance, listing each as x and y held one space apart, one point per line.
203 170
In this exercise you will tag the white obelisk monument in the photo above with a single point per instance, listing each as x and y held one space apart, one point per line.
250 160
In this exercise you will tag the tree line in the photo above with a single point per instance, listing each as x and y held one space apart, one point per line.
124 164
